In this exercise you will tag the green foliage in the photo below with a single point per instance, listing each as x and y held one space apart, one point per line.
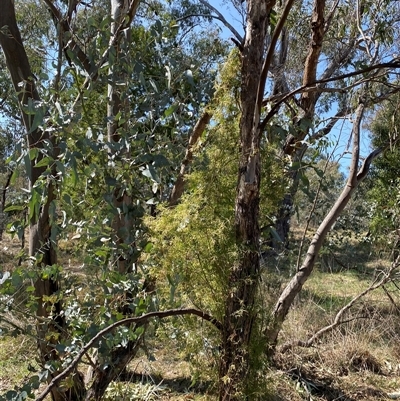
384 184
166 78
194 243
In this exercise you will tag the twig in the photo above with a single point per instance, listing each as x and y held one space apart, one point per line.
222 19
337 321
124 322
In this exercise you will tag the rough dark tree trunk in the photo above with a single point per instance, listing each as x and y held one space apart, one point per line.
243 281
40 242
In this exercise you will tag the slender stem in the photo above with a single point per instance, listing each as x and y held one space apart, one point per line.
124 322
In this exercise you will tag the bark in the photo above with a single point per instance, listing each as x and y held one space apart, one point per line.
116 104
295 285
235 361
3 203
307 103
315 48
109 367
49 319
177 190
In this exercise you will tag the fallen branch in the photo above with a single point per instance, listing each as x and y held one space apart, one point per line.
140 319
338 318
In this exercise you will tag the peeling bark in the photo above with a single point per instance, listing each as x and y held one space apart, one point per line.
244 276
315 48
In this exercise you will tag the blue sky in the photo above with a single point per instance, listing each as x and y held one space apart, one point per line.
340 134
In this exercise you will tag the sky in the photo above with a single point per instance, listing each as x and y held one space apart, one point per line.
341 134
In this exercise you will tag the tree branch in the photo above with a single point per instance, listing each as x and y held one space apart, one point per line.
329 17
395 63
315 47
63 26
221 18
113 41
270 52
198 129
124 322
295 285
332 121
338 318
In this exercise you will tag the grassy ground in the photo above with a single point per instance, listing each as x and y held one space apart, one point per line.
358 360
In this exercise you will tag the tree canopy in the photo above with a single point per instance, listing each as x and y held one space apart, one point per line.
167 147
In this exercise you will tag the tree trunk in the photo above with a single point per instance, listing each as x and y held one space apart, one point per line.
307 104
3 204
40 242
296 284
117 359
122 201
235 362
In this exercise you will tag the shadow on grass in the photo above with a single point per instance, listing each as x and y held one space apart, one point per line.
327 302
324 387
178 384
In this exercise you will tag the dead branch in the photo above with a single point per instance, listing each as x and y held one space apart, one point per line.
386 276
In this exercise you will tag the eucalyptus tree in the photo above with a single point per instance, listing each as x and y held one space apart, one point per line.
151 71
124 96
343 69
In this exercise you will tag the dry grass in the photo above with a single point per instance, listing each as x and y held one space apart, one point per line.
16 354
358 360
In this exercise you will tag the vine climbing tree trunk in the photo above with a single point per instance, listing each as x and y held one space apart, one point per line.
243 281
